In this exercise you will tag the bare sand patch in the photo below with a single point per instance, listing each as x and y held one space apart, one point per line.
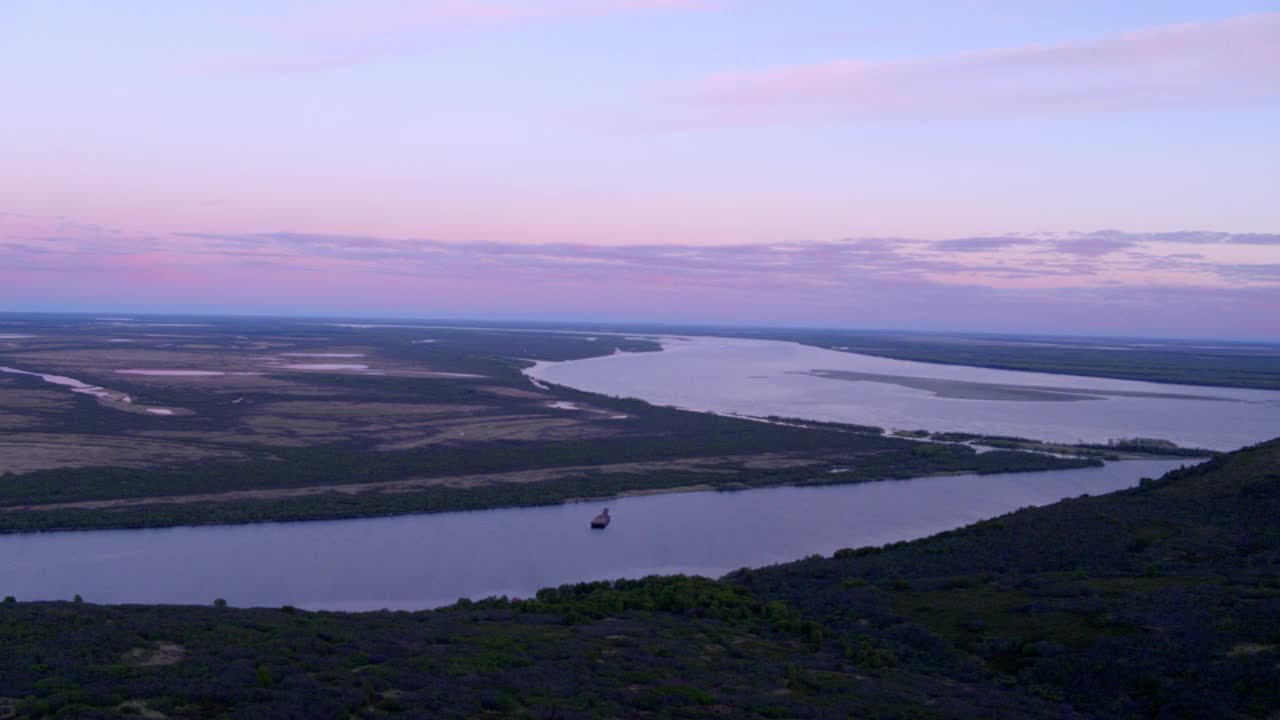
970 390
513 392
126 404
161 653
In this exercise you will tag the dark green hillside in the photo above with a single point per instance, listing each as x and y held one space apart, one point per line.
1160 602
663 647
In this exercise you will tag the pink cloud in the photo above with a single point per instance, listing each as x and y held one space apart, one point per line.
1185 65
1042 282
1068 260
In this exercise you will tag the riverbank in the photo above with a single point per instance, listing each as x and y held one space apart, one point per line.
449 494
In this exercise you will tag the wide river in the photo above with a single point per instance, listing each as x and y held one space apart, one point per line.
423 561
767 377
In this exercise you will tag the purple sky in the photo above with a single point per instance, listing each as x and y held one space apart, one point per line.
922 164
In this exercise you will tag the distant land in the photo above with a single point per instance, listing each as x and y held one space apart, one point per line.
1185 362
141 421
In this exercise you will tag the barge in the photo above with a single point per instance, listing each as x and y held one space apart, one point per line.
601 521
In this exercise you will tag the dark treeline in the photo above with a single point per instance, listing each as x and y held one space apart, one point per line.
1249 365
319 468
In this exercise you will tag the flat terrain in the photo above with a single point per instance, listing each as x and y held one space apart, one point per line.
963 390
1157 602
163 421
1221 363
1182 362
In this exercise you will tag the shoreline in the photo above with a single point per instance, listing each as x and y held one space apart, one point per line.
1125 389
1014 368
581 499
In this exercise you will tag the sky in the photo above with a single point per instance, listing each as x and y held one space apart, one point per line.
1042 166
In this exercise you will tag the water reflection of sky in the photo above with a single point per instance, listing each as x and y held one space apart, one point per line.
765 377
422 561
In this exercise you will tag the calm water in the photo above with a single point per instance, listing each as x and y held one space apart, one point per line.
424 561
764 377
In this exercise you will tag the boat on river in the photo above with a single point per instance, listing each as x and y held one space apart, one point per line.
601 521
